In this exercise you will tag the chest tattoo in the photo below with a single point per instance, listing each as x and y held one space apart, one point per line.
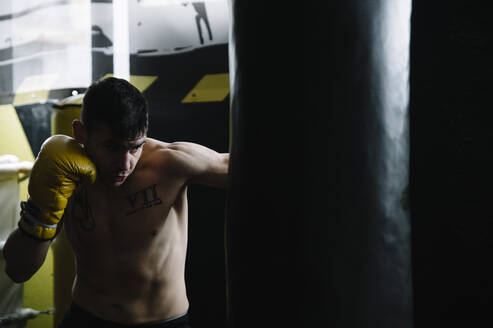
143 199
81 211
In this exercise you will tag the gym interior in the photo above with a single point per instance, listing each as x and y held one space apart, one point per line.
359 134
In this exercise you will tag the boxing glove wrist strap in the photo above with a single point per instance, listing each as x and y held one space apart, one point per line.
32 226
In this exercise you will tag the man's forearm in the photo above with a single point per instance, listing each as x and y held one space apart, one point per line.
23 255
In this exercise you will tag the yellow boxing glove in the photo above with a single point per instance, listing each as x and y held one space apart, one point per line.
61 165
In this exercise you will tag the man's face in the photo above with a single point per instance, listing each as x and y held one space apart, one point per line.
115 158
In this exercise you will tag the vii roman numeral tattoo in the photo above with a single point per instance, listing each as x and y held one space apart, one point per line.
143 199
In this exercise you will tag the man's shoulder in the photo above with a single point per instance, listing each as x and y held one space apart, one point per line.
160 163
158 153
152 144
154 150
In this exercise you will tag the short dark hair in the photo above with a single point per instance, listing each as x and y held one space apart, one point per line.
118 104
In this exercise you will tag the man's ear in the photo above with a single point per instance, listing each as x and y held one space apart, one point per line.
79 131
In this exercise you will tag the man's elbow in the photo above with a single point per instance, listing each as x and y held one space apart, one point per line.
17 276
14 269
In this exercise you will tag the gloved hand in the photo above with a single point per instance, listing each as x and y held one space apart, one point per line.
60 167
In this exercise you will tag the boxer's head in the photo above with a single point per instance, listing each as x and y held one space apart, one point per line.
113 128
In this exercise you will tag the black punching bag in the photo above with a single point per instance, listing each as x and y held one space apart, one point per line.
317 228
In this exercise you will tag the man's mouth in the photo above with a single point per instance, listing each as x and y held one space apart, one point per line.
120 178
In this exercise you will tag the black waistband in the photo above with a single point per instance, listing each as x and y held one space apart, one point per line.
79 315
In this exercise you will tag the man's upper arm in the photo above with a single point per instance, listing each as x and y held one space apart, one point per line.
199 164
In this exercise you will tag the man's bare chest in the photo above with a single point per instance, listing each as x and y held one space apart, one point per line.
138 209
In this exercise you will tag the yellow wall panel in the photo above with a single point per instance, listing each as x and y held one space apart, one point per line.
13 140
38 292
141 82
212 87
34 88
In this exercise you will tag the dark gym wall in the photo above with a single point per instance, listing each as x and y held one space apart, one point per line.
451 161
35 119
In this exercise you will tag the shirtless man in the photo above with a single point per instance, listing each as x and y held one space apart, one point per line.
126 215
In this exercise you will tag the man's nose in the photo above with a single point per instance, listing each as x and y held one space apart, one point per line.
125 161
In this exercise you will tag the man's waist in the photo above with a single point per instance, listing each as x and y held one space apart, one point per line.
131 305
79 314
